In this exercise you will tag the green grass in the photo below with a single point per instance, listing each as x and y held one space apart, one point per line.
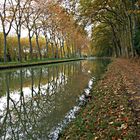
35 62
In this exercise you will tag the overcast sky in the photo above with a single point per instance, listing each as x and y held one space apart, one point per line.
24 32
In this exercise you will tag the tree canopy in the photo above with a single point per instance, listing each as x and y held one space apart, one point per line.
115 25
50 20
64 27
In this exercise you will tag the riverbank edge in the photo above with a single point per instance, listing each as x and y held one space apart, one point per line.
29 64
108 115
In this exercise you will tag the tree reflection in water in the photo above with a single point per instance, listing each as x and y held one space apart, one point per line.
34 100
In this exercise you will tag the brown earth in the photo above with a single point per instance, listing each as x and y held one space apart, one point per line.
130 72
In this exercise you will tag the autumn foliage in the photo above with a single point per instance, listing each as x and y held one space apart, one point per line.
52 32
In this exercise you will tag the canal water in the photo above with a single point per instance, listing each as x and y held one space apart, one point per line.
36 103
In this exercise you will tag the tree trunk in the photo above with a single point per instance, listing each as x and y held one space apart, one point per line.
5 48
61 46
53 53
56 52
47 45
31 48
64 53
73 52
68 52
132 33
38 47
19 49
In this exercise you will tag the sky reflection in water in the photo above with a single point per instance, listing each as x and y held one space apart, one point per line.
35 101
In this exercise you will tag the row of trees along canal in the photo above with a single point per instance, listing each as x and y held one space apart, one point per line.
52 31
115 25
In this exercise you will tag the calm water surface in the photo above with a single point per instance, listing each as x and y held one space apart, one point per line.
34 101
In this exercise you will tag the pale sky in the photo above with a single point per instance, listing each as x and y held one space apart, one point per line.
24 32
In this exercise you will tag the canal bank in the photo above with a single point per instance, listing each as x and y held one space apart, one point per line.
37 63
114 111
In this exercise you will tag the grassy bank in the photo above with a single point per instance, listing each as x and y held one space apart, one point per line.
10 65
110 115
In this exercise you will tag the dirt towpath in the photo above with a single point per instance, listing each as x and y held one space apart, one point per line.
130 72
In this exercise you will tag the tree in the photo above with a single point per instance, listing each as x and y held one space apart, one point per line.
30 16
18 23
115 14
7 14
44 20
